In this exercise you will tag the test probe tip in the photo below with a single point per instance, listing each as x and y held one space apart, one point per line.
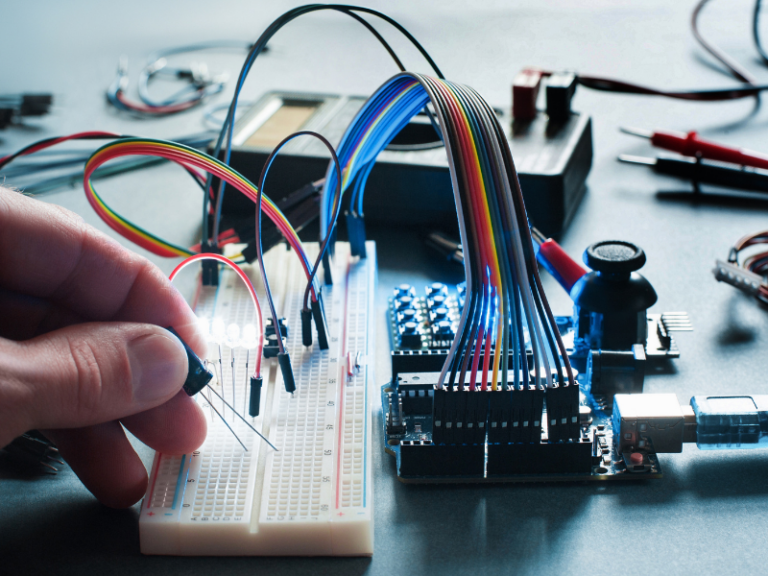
631 159
636 132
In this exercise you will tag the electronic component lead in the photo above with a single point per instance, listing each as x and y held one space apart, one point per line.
232 371
222 418
246 422
221 373
245 388
199 377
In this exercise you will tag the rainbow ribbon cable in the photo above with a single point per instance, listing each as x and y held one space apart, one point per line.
506 311
193 160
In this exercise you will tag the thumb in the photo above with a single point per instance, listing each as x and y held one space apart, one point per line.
88 374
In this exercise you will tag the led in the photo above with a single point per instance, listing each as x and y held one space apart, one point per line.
249 336
218 330
233 335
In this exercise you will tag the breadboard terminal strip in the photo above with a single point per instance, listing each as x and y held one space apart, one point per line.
313 496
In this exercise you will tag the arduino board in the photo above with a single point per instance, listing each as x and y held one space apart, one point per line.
499 452
503 435
313 496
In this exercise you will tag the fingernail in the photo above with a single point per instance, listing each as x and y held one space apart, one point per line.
159 366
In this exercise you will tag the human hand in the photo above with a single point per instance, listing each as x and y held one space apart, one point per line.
82 350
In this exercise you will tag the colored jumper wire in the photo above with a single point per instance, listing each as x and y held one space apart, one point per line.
259 346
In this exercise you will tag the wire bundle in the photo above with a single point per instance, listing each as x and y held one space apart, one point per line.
192 160
196 163
200 85
61 159
505 306
224 141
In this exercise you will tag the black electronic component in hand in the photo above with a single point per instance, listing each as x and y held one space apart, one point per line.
198 376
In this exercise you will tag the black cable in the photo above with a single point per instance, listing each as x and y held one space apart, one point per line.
256 49
199 141
400 147
378 37
331 224
734 68
716 95
5 160
756 32
707 95
40 187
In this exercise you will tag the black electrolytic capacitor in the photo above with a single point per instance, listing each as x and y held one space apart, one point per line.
197 377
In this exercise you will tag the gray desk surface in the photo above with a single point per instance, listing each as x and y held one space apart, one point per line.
706 514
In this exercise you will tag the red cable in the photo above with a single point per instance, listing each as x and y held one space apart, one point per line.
251 290
568 269
144 109
53 141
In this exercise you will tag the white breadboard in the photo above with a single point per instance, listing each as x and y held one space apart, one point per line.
315 495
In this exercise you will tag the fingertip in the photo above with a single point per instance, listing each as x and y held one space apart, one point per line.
159 366
105 462
176 427
196 427
132 491
192 428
